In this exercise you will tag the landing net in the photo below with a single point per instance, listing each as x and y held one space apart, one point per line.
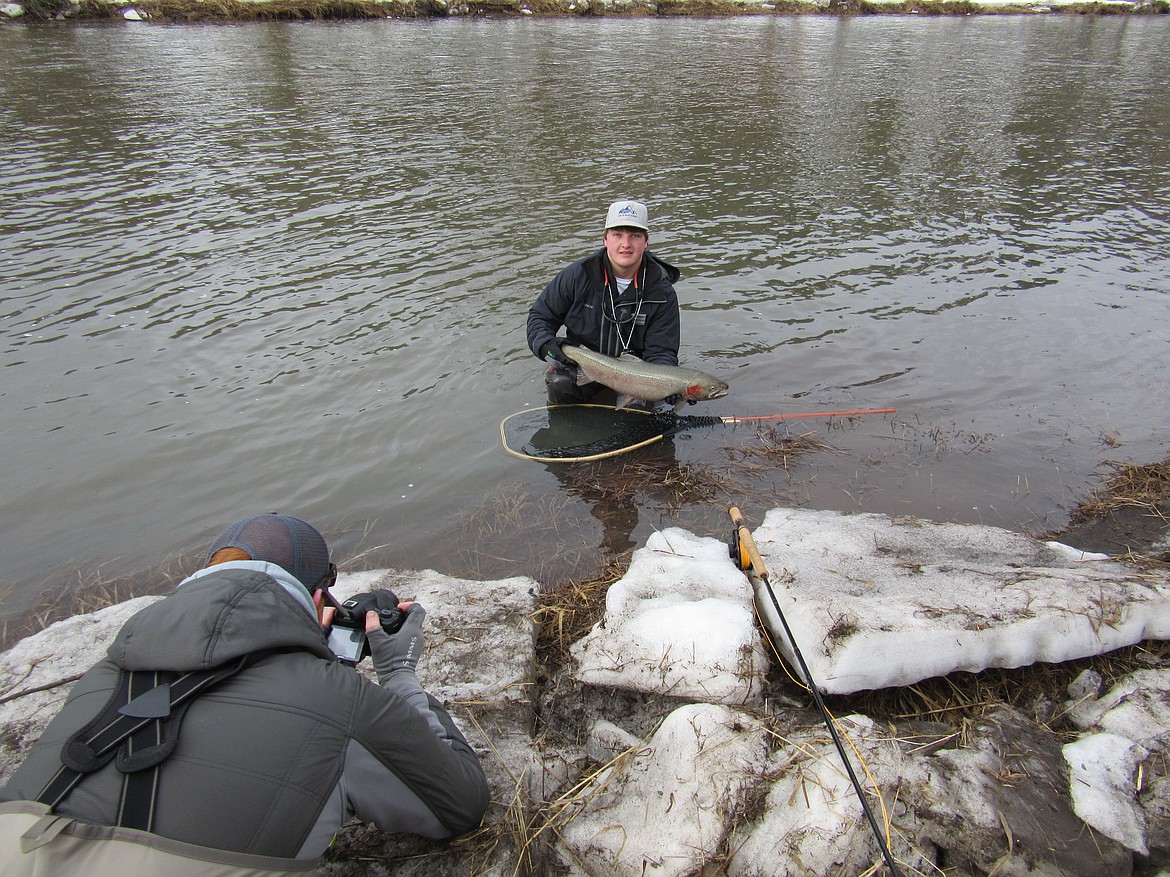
575 433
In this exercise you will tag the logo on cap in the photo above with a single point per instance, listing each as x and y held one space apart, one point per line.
627 213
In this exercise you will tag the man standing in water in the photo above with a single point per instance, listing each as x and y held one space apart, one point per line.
618 300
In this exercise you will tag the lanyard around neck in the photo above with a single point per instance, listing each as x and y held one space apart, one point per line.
615 296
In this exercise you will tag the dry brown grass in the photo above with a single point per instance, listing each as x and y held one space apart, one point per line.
303 10
88 590
566 614
1145 487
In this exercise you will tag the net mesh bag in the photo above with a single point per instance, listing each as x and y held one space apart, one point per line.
606 434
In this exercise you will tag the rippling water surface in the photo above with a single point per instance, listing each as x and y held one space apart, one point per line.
287 266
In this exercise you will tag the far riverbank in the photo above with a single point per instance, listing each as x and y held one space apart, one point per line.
171 11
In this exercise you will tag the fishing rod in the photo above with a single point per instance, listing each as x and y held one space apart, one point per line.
747 556
796 416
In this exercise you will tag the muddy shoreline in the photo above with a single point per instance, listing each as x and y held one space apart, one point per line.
192 11
1127 517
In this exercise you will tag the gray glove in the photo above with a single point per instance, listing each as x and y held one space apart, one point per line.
402 650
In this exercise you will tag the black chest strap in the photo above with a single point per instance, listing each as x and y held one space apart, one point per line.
137 729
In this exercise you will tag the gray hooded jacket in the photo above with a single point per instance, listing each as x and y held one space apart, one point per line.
272 761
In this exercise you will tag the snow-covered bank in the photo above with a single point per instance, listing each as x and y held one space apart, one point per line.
655 750
875 602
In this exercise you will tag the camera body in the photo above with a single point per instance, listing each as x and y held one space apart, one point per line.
347 636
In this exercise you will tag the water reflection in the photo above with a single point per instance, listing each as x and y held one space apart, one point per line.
636 460
286 266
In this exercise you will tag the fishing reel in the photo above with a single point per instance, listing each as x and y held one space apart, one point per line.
738 551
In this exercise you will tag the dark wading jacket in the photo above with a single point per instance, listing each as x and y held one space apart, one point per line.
577 298
269 763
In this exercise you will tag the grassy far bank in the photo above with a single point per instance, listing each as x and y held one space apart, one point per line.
170 11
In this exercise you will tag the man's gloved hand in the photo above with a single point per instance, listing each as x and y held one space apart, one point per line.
676 400
551 352
402 650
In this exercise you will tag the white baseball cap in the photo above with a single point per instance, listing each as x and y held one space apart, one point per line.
628 214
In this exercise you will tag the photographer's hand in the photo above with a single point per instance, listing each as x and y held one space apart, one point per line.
324 613
399 651
394 654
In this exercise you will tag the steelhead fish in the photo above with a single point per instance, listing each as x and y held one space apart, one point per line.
631 378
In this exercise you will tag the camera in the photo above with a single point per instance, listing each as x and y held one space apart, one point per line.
347 636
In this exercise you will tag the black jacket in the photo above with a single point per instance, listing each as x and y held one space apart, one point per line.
579 299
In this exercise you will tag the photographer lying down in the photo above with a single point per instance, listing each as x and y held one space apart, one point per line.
222 734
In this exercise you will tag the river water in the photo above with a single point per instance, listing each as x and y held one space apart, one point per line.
287 267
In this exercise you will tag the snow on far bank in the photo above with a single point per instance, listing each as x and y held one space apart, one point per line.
165 11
